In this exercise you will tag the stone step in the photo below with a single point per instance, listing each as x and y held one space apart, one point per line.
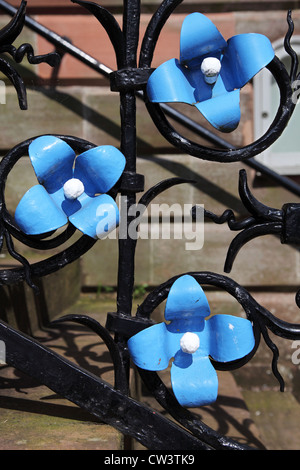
277 416
33 417
229 415
250 408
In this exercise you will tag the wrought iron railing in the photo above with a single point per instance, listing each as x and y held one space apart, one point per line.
113 404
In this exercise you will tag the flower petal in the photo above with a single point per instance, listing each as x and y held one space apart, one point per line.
194 380
149 348
231 338
37 213
170 83
244 57
186 299
99 168
223 110
52 160
199 37
97 217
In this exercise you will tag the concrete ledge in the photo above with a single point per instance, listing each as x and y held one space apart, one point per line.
271 410
26 311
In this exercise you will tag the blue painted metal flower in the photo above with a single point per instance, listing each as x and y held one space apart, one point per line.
191 339
211 71
70 189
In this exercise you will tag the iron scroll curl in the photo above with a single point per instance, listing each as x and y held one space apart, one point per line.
9 229
286 83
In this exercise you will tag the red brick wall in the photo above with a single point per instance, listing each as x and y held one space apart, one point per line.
73 21
85 32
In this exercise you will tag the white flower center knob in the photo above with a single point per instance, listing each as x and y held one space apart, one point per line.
189 343
73 188
211 67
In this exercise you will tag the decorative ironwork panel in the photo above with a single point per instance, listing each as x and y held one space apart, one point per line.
76 188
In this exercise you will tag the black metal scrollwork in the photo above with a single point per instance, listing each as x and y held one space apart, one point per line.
9 228
8 34
263 220
286 84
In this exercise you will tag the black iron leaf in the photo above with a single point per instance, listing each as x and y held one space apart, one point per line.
111 26
289 49
10 72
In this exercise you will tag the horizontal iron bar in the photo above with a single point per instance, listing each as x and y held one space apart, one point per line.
66 46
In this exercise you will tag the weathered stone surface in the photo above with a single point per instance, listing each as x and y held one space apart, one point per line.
257 375
272 410
49 112
228 415
32 417
259 263
254 265
29 429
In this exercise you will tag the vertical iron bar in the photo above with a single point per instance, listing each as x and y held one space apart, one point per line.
131 18
127 245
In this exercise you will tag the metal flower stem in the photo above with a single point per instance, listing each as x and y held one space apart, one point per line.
127 245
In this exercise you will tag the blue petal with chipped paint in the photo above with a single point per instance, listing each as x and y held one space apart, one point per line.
186 299
194 380
151 349
231 338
